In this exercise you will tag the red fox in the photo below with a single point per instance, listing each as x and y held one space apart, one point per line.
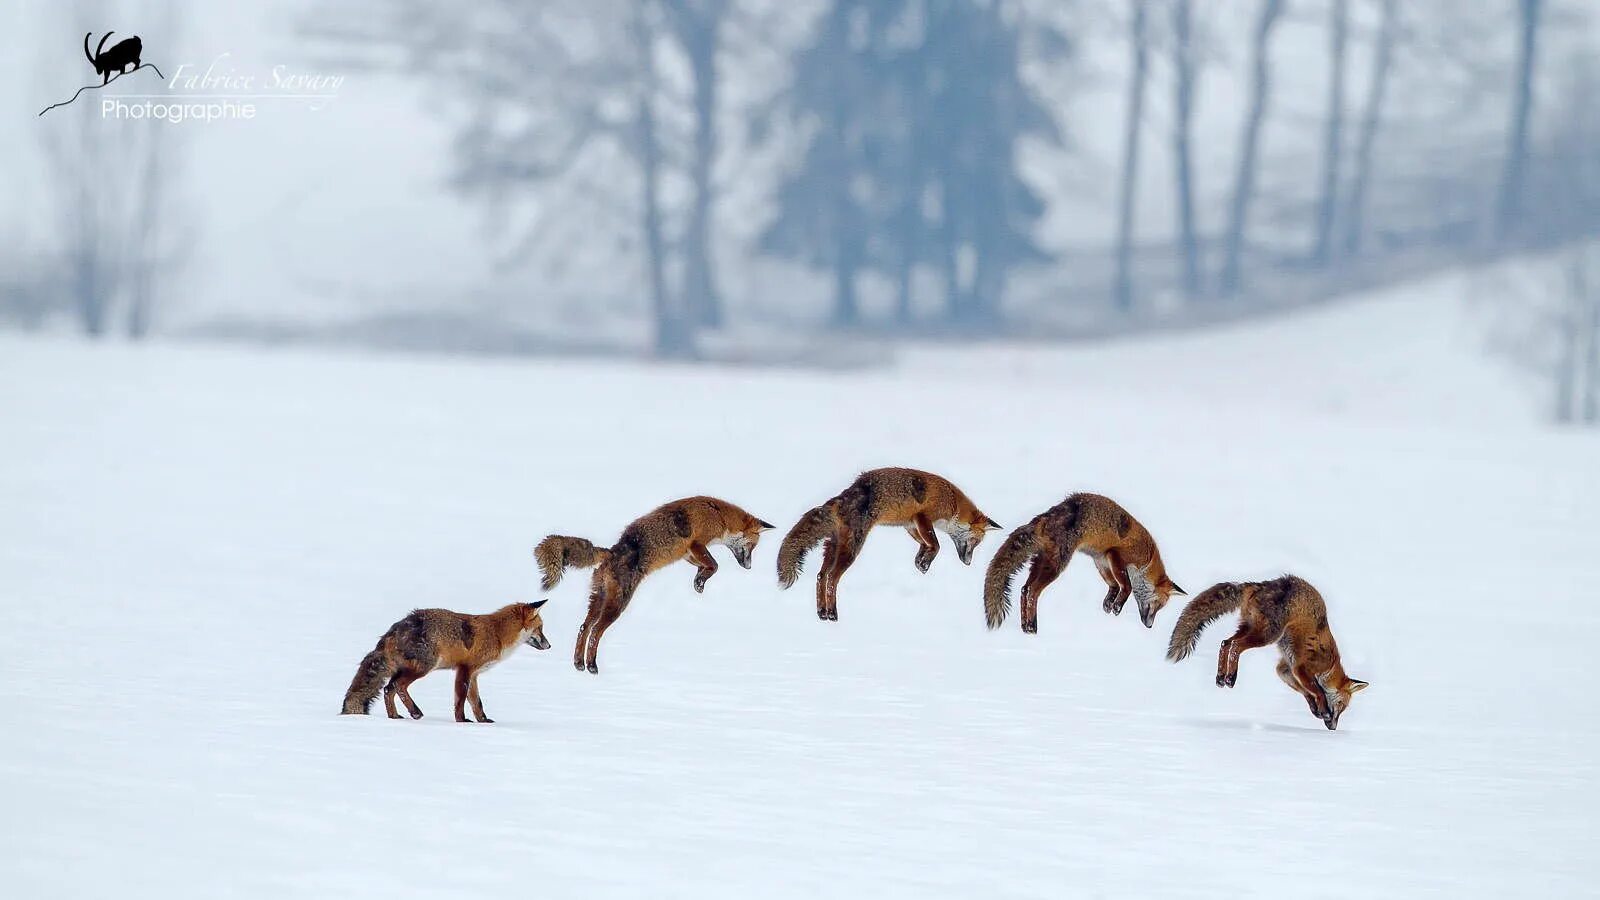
919 502
1121 548
1287 610
430 639
682 529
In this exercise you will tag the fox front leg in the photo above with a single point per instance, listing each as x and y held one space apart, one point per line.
922 530
1119 581
707 566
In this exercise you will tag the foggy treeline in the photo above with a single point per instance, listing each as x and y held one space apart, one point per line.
928 167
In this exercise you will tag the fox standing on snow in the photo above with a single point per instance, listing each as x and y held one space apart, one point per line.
1121 548
1287 610
683 529
919 502
430 639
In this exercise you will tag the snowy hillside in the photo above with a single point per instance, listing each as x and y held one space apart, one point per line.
197 544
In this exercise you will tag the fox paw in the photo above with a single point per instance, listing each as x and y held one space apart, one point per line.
593 669
1030 627
485 721
578 664
416 714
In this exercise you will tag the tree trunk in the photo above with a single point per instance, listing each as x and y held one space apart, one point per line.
1333 131
1183 62
1122 289
1591 362
142 263
700 38
846 307
673 337
1371 120
1249 143
1508 209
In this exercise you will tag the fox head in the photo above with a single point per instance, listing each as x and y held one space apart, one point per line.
967 532
743 542
1337 689
1152 589
533 626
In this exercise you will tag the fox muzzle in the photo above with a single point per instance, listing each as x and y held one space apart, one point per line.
537 641
741 554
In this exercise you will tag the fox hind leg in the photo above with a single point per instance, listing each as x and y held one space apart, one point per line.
845 551
607 617
1044 571
1246 638
388 696
402 685
580 650
830 556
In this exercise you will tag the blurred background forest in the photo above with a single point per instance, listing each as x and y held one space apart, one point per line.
772 181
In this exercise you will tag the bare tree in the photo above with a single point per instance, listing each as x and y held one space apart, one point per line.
1185 72
697 25
1371 121
1249 144
1508 208
673 337
579 83
1139 47
1332 132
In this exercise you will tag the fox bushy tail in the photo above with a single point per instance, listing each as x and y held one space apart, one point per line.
558 552
1212 604
806 533
1014 553
376 668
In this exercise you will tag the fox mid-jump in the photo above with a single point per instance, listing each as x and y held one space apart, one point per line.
683 529
919 502
1287 610
1121 548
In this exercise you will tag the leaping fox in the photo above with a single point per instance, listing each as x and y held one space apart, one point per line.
1122 550
1287 610
683 529
919 502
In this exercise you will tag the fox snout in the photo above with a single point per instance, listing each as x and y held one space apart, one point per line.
1147 615
537 641
741 554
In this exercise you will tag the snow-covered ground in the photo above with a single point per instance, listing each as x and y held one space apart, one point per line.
197 544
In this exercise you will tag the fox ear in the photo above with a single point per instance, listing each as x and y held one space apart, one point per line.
765 525
990 523
540 603
1357 686
1177 590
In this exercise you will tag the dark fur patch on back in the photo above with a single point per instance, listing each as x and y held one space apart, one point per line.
680 522
411 638
1062 524
466 632
1124 523
919 488
1322 623
1272 600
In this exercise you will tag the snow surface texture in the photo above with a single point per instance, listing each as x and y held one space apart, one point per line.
198 544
